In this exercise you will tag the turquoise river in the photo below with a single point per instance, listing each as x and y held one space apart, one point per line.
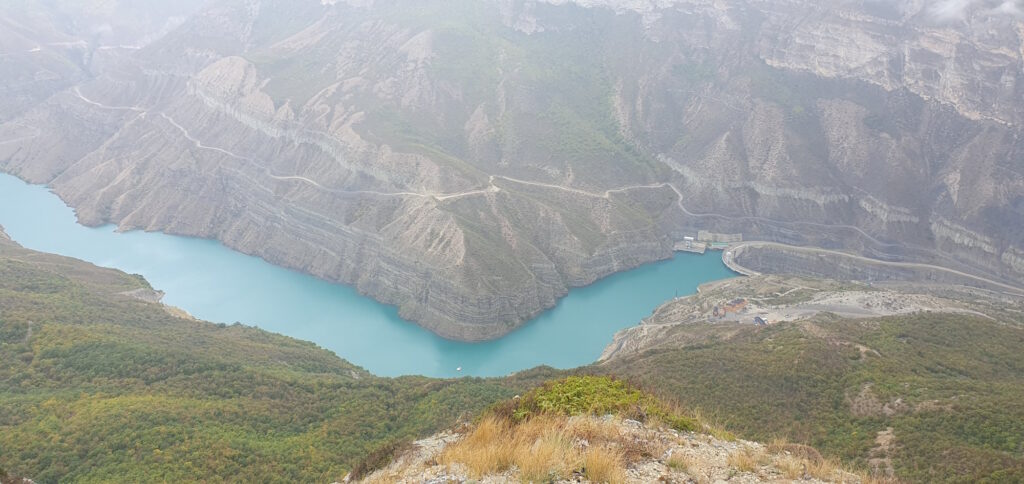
218 284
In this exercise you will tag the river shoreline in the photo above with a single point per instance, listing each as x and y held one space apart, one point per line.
214 283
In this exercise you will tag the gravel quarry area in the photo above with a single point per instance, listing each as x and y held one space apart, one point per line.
772 299
850 304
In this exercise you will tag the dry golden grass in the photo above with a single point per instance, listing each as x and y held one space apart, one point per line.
549 457
798 460
656 422
532 429
824 469
541 448
487 431
485 450
806 452
789 466
793 466
712 427
602 464
747 460
777 445
593 429
682 462
546 447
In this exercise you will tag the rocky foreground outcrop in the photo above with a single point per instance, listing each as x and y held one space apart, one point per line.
470 162
678 457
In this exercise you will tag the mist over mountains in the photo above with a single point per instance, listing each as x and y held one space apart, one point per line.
858 163
470 161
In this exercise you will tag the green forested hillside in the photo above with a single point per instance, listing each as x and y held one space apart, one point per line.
950 388
100 386
97 386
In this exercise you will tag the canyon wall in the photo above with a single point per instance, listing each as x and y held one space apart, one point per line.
470 161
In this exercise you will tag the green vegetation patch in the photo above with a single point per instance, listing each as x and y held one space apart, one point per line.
98 387
597 395
951 388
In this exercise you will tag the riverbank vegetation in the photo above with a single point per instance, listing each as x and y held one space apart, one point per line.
96 385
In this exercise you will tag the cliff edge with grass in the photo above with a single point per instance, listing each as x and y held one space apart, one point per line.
593 429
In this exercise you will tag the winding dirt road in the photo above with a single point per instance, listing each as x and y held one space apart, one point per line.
492 188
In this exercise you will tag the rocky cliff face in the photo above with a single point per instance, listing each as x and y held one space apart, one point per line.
470 161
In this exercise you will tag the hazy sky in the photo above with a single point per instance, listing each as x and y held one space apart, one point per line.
951 10
939 10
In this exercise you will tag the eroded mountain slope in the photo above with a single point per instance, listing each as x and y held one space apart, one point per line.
470 161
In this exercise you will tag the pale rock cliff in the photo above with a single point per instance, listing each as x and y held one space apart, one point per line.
471 162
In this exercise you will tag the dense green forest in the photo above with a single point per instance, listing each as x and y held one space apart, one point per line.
98 386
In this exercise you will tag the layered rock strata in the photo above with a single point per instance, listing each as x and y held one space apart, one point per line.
469 162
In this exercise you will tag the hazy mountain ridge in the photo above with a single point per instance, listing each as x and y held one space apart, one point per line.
470 161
